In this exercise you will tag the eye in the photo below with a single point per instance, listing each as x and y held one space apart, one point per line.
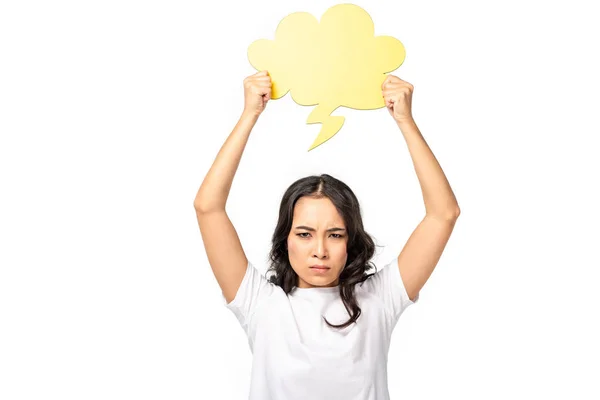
335 235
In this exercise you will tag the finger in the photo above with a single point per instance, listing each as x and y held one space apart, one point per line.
263 93
263 88
261 82
396 91
392 79
389 80
392 85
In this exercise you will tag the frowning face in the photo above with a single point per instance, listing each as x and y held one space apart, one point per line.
318 238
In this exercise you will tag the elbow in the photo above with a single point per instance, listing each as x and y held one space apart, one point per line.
204 208
200 207
449 215
455 214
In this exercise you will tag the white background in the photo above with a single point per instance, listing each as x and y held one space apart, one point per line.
111 114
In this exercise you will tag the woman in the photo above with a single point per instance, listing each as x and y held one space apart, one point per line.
320 326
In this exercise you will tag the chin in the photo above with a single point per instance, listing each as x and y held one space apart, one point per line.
320 281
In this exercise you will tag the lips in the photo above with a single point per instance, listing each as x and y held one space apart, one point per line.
319 267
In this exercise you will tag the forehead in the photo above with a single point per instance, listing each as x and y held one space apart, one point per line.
313 212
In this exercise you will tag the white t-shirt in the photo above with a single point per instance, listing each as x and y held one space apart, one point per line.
296 355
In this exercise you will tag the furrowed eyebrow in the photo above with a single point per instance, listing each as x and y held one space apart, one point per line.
308 228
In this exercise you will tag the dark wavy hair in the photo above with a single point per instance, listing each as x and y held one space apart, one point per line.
360 247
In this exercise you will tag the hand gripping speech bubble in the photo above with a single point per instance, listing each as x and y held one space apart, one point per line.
337 62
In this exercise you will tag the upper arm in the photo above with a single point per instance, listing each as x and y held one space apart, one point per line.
422 251
224 250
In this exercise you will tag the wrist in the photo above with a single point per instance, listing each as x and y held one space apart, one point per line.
250 115
406 122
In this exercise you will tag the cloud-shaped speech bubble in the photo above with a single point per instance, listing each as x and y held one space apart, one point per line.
337 62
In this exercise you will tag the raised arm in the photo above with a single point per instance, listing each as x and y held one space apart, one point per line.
223 248
423 249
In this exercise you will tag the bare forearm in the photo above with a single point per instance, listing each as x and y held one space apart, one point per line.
437 194
214 191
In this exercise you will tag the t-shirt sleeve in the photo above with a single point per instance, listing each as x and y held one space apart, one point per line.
253 291
387 284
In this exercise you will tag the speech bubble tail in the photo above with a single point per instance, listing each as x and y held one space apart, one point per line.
331 126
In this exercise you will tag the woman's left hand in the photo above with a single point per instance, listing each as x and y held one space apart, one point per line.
398 98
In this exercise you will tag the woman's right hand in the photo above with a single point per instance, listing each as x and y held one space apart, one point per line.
257 92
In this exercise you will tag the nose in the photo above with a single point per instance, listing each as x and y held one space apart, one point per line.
320 250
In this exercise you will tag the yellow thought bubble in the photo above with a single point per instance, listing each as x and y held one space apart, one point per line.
337 62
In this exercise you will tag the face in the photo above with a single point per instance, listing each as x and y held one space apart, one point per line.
318 237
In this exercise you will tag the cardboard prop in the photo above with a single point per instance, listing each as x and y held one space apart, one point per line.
335 62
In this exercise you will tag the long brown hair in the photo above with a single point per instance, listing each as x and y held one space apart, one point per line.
360 247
